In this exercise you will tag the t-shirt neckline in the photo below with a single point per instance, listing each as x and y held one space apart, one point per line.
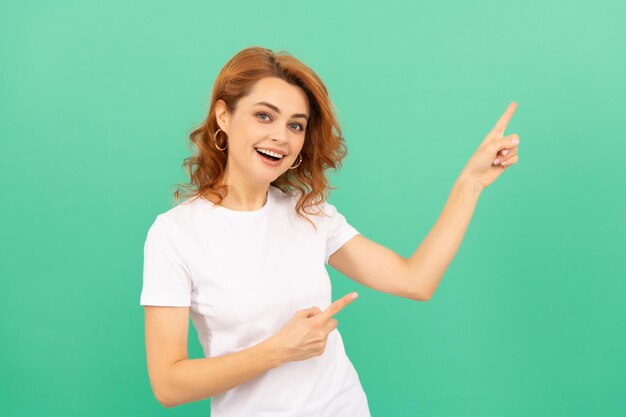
245 213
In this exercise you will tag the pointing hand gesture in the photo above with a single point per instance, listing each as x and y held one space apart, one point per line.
495 154
305 334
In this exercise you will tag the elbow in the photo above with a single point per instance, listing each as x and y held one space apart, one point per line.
166 402
163 399
422 295
162 387
418 291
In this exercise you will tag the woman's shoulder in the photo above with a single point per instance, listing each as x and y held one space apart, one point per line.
188 206
186 214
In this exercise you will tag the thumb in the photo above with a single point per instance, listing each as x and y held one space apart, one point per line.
506 142
310 312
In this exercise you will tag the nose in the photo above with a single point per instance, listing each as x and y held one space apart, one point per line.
280 136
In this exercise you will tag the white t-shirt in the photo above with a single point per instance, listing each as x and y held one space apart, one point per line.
244 274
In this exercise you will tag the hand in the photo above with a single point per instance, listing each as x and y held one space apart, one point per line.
495 154
305 334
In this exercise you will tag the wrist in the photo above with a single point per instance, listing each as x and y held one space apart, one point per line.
469 183
272 353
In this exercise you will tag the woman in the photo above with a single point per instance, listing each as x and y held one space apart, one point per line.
245 255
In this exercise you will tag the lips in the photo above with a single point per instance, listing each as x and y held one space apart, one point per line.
266 159
270 157
278 151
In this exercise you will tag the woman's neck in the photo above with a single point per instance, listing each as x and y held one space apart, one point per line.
242 195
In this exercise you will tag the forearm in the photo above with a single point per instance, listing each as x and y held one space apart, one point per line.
429 262
197 379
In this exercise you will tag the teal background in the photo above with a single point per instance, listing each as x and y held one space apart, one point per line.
97 101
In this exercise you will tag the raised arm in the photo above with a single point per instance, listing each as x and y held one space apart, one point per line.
430 261
418 277
494 155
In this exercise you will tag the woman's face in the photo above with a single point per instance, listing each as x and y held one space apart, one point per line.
279 125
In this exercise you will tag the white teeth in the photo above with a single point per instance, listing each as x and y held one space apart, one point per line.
267 152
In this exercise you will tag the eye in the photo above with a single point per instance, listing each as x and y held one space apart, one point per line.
262 114
299 125
301 128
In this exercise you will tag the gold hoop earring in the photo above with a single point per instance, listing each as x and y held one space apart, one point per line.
215 141
300 155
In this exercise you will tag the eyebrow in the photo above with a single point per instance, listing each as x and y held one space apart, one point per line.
273 107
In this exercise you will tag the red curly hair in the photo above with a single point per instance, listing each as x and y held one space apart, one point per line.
323 148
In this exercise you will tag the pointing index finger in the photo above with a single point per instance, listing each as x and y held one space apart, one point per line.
337 306
505 118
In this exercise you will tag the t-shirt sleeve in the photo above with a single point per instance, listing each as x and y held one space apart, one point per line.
339 230
166 276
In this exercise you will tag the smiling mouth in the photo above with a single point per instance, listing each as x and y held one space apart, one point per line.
268 157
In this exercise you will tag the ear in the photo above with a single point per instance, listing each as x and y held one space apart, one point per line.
222 115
